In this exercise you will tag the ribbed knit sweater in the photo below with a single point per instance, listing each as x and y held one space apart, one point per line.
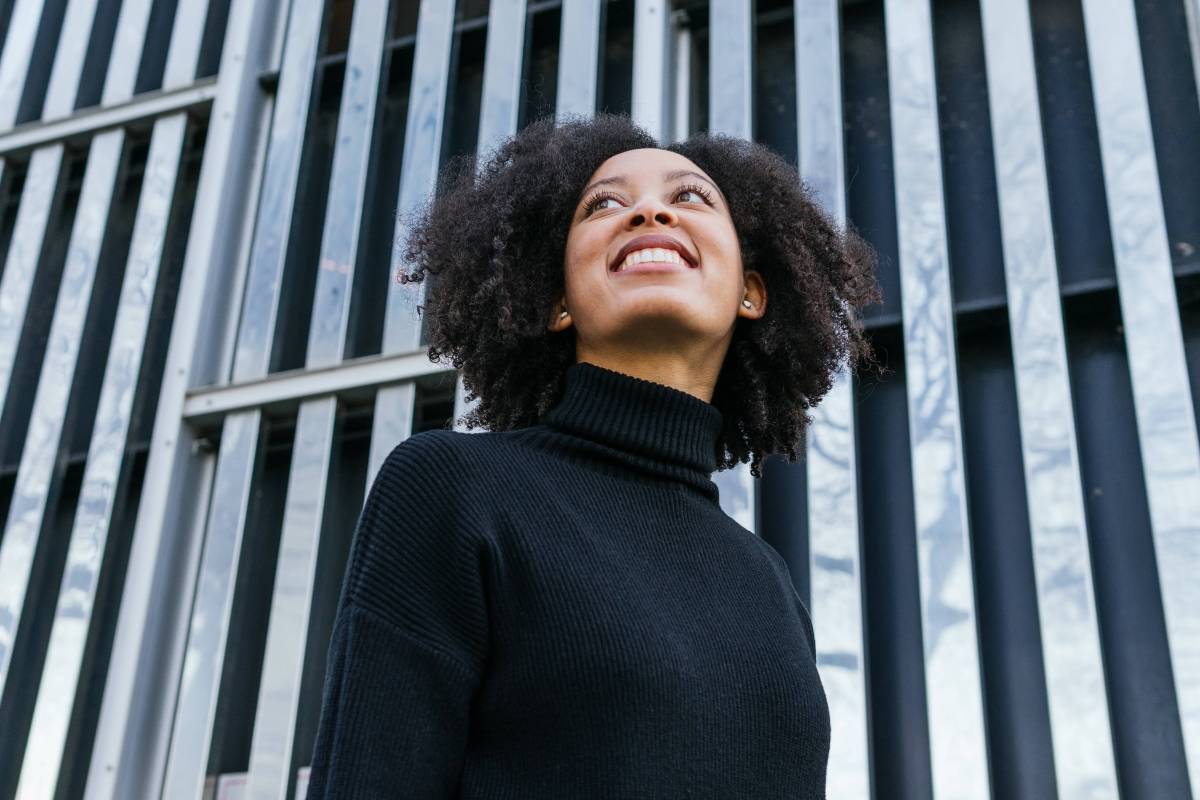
565 611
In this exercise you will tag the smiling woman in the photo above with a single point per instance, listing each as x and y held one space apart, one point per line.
757 324
559 607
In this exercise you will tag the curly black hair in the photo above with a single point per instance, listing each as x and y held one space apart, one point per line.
494 238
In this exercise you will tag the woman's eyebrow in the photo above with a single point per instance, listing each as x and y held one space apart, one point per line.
667 176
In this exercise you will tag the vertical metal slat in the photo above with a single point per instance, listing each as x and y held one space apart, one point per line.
498 113
579 57
650 106
60 678
68 60
129 753
212 604
128 43
64 659
501 73
731 68
1162 396
20 268
730 112
15 58
392 422
36 475
952 674
1070 636
835 559
271 751
39 190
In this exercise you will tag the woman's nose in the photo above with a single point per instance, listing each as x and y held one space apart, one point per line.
650 208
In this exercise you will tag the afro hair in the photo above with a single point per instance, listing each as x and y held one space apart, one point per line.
497 275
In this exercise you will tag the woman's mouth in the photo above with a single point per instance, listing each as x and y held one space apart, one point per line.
653 259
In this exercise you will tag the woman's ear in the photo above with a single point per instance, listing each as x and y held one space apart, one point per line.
560 320
755 293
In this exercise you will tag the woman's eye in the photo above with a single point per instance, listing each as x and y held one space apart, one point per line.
697 199
596 206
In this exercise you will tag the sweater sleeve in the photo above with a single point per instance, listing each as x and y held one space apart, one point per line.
410 637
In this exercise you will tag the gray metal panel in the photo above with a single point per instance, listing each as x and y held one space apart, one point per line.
418 170
128 43
418 175
287 643
278 198
1083 751
835 560
391 425
650 106
952 676
41 180
579 59
184 51
283 662
187 759
681 111
39 457
1162 396
501 73
133 730
64 657
52 712
20 268
346 199
498 114
15 57
68 58
730 69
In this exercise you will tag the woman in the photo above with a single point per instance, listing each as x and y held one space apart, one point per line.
558 607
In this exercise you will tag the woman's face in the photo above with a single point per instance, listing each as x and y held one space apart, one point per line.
627 301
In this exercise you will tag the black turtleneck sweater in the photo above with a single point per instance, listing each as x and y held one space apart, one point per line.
564 611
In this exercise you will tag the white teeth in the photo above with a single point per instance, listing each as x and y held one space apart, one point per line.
658 254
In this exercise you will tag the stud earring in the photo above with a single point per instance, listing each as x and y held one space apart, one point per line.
747 304
563 314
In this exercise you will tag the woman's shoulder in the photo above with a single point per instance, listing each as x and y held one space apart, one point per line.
456 456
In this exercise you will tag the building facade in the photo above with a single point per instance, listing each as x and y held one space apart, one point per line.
204 360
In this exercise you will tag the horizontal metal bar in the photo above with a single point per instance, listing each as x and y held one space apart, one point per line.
283 390
89 121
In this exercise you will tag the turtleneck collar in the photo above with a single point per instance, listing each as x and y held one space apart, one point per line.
661 428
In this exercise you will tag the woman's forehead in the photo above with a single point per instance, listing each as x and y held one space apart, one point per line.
645 162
